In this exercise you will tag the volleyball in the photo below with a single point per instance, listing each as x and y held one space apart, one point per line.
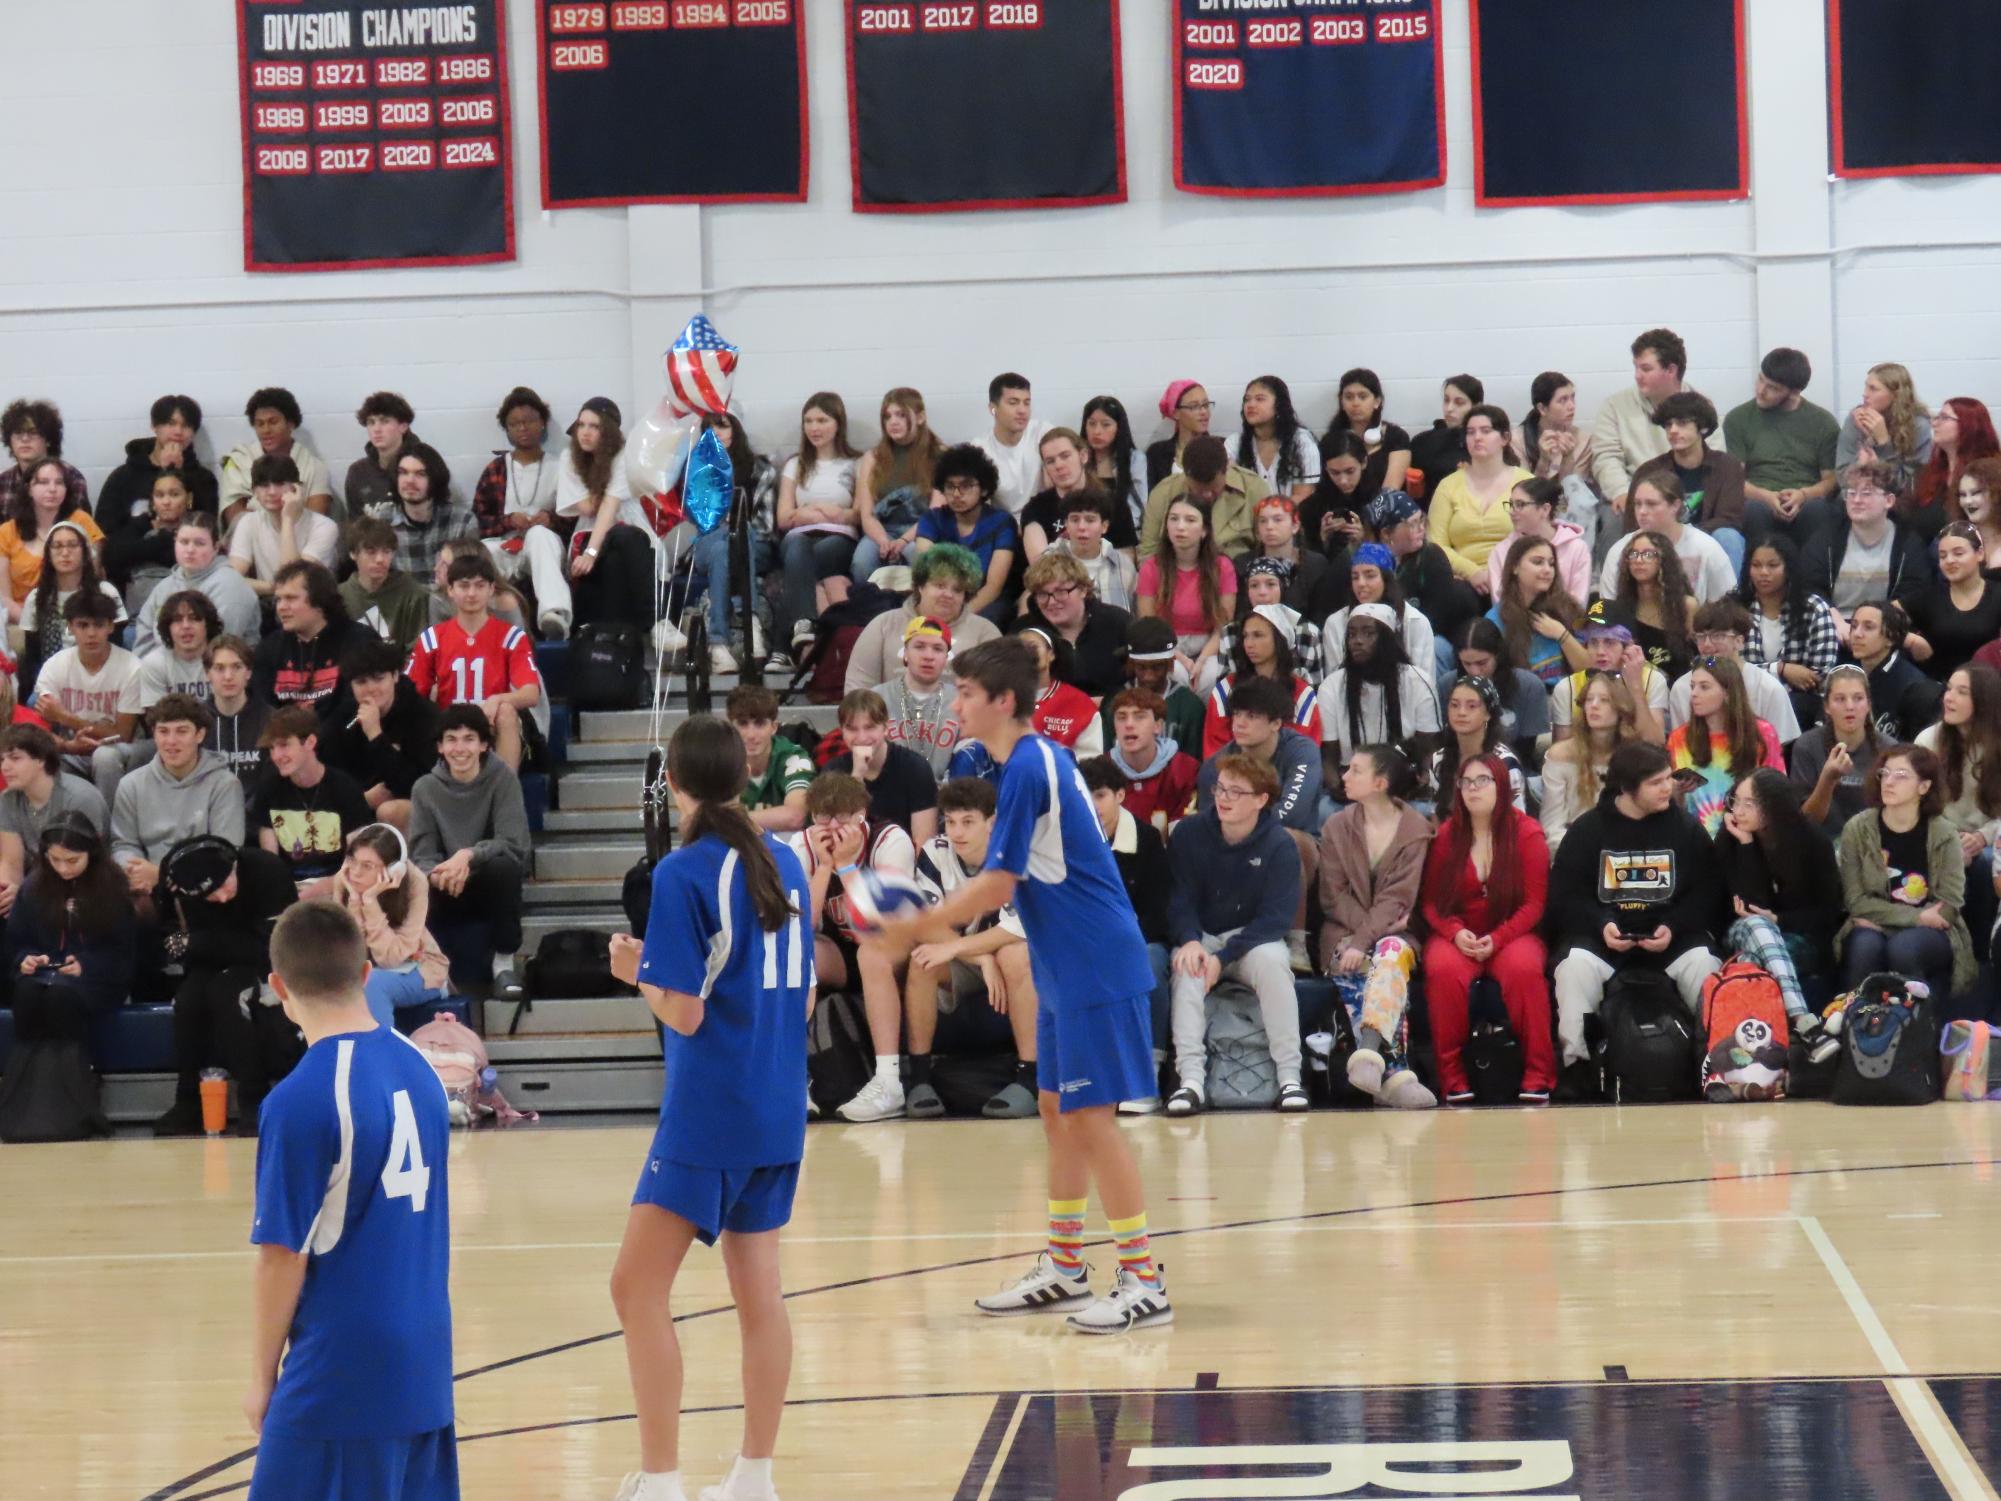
874 897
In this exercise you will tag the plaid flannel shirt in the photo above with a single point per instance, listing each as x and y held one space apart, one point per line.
417 546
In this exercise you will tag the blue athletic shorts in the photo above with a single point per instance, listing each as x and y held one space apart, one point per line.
1096 1055
745 1200
292 1467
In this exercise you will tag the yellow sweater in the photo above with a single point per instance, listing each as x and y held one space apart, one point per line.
1458 526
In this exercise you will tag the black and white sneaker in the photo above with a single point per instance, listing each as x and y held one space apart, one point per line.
1042 1289
1292 1097
1187 1100
1131 1304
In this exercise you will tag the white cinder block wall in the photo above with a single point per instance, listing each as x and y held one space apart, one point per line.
120 267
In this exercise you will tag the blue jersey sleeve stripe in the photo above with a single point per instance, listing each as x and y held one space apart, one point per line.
331 1221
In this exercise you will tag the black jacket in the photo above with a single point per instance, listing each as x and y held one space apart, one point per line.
1905 698
133 545
1809 905
236 934
1144 873
1910 564
288 671
1426 579
406 749
128 489
1098 657
1661 868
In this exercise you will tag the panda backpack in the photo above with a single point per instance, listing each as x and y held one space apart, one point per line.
1745 1035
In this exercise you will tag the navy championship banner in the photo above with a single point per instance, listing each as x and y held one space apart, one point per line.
373 134
1307 98
982 104
1911 91
672 101
1580 101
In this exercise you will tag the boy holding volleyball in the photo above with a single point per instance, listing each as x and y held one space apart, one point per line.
727 967
1093 986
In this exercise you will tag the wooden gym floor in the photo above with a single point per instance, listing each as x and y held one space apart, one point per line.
1715 1301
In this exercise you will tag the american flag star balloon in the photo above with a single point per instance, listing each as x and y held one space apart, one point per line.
700 368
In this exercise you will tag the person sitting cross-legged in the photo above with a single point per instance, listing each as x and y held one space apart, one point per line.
985 968
477 659
469 835
306 808
1635 882
843 836
1236 885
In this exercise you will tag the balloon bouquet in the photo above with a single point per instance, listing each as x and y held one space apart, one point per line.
680 471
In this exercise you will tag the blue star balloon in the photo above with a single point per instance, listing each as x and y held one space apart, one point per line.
708 484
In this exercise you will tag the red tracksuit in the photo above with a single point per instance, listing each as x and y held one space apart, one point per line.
1457 900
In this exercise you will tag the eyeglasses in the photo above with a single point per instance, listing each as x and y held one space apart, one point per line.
1194 406
1896 774
1716 638
1643 554
1524 505
1225 793
1475 784
961 487
1055 592
1864 491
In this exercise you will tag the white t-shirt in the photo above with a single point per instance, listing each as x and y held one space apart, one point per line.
1020 466
161 673
532 487
1304 449
313 476
570 493
256 540
1703 559
832 483
1417 701
1768 696
32 605
113 689
1417 637
1772 633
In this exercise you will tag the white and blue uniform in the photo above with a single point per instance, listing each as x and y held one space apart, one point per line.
351 1172
732 1116
1093 984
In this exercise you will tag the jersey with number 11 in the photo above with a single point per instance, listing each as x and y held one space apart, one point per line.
351 1172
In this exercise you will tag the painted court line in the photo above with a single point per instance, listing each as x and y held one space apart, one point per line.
1913 1398
1006 1444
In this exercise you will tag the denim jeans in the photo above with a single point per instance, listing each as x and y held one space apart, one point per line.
809 557
389 988
1732 542
711 555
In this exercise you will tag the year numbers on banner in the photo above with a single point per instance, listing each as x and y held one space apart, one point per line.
690 13
465 70
1222 74
885 18
409 156
340 75
639 15
1274 33
481 109
341 116
1209 34
343 159
402 72
404 114
283 161
1338 31
277 75
279 117
484 152
951 17
1403 28
568 57
568 18
764 12
1013 15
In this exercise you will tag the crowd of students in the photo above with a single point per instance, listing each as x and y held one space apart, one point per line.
1344 701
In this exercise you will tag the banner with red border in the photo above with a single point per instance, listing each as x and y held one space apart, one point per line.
984 104
1911 93
672 101
374 135
1584 102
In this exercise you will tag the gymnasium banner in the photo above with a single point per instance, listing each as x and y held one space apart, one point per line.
1911 92
374 135
672 101
1307 98
1580 101
984 104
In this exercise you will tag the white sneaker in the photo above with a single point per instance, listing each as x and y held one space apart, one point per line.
1295 950
554 626
1403 1090
1042 1289
757 638
1365 1071
667 638
721 659
637 1487
727 1489
879 1100
802 634
1131 1304
1148 1106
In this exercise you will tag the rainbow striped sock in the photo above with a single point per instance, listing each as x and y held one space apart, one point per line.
1135 1254
1066 1235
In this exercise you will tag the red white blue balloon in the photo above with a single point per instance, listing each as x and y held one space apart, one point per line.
701 367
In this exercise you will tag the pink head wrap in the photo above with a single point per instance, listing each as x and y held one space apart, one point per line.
1176 389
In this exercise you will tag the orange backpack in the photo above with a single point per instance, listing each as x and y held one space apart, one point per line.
1745 1034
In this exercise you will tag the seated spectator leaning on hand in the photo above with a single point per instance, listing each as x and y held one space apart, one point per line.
275 419
393 738
279 527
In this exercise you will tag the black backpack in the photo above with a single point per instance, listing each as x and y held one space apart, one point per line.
840 1058
572 964
1889 1046
1493 1054
1651 1051
636 894
607 667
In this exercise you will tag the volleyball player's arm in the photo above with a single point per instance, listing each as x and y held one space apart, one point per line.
989 891
279 1278
676 1010
987 941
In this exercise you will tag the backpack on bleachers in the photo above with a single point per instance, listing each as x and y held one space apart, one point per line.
1242 1075
840 1057
572 964
1651 1051
1492 1056
607 667
1746 1037
1889 1048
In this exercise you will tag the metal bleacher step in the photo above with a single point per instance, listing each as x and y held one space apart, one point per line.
536 924
595 1088
634 724
603 891
578 791
621 819
599 754
597 857
591 1015
572 1047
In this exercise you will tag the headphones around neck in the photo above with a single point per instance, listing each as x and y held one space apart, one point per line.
395 873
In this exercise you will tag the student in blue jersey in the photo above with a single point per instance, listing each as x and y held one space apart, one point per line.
727 967
1093 988
354 1244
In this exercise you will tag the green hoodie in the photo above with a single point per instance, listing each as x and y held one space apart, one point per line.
399 612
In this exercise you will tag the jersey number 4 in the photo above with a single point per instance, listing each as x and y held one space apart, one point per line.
404 1176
